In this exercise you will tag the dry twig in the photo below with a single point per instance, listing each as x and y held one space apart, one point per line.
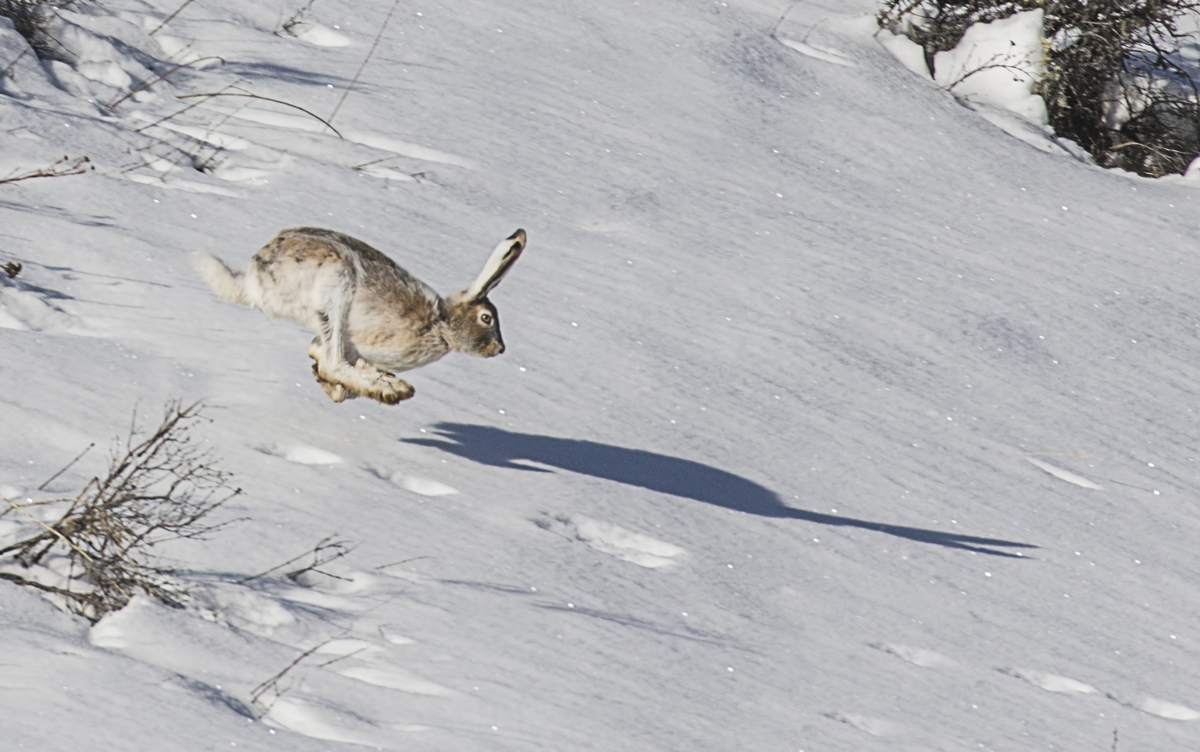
327 549
113 104
64 166
265 99
367 59
272 684
171 17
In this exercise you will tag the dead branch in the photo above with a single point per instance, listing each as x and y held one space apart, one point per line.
265 99
8 69
161 77
272 684
367 59
61 168
326 550
12 269
171 17
68 466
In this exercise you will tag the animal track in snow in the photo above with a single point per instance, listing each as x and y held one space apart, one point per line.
320 722
614 540
414 483
1160 708
317 34
394 678
423 486
392 635
915 656
28 308
1066 475
302 454
405 149
866 724
820 53
1049 682
1041 679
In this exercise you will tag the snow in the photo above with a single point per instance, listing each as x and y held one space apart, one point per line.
761 285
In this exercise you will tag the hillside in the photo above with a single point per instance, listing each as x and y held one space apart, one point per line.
832 418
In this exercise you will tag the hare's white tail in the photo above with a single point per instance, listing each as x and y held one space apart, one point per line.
225 282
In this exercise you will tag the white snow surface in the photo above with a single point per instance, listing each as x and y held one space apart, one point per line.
788 308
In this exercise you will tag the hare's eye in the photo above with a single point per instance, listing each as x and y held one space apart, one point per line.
485 318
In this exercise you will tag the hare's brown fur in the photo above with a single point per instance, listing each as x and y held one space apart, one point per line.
371 317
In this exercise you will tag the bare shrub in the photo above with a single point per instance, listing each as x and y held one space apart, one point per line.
1115 81
158 489
34 20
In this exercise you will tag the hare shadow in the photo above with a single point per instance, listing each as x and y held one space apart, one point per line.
670 475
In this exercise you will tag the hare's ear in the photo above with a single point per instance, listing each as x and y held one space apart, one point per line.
496 267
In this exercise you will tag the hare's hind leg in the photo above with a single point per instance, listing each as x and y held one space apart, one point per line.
333 351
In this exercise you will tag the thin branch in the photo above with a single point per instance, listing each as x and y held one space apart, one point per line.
69 464
113 104
402 561
340 548
50 530
61 168
171 17
8 68
775 29
266 99
273 682
367 59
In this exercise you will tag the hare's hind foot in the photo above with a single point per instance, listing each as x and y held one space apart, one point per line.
385 387
336 391
345 382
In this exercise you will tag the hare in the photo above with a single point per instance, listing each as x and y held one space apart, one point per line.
372 319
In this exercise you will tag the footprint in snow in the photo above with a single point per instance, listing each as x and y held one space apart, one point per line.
614 540
1161 708
394 636
25 307
1050 682
302 454
915 656
320 721
414 483
316 34
866 724
361 663
394 678
423 486
826 54
1062 474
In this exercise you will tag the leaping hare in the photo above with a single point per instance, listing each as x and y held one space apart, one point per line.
372 318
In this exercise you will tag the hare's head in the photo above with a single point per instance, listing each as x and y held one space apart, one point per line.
474 325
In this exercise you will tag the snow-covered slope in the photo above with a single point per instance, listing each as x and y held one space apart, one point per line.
832 416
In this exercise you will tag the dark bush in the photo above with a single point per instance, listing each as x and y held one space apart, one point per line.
34 20
1115 81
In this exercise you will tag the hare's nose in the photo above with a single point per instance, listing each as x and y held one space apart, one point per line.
501 350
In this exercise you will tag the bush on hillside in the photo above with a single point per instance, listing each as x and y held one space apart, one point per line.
34 19
1115 81
93 552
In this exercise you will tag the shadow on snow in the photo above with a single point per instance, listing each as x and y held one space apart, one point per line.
669 475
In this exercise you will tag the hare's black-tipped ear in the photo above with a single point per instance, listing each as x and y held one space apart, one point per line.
497 266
